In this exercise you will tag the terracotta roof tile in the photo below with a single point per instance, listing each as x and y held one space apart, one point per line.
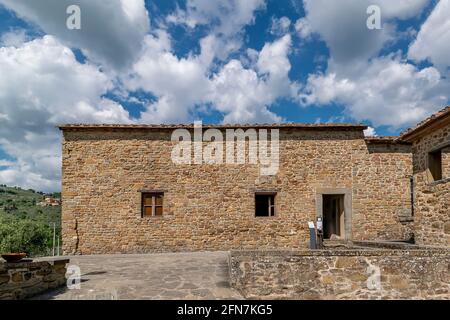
425 123
218 126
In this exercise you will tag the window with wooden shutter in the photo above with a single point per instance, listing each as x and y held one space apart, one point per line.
152 204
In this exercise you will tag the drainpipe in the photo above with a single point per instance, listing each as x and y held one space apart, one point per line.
411 184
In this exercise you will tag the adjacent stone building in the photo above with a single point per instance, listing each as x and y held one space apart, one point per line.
431 157
122 191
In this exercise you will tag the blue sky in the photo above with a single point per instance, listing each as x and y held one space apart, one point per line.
236 61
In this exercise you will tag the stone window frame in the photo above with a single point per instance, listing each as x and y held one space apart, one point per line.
153 193
347 193
430 178
273 193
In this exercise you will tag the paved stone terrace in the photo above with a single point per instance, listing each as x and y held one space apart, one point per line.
196 275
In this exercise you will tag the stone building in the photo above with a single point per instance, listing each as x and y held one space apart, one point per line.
431 162
123 192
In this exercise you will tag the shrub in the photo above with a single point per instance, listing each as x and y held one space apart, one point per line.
18 235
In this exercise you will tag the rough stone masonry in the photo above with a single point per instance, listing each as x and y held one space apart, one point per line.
25 279
106 168
355 274
432 196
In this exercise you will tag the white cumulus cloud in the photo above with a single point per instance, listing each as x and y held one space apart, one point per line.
13 38
370 132
386 91
280 26
343 25
225 19
178 84
111 31
183 85
43 85
433 39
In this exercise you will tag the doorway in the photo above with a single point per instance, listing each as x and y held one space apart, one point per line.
333 216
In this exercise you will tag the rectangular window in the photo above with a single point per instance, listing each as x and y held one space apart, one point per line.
265 204
152 204
435 165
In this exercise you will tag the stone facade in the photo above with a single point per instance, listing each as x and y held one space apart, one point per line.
381 191
212 207
432 205
341 274
25 279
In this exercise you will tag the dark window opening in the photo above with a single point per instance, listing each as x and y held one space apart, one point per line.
435 165
264 205
152 204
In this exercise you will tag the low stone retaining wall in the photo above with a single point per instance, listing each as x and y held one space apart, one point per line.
25 279
341 274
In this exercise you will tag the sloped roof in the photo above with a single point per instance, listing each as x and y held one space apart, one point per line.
431 122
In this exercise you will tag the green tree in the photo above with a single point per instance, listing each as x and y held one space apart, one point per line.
26 236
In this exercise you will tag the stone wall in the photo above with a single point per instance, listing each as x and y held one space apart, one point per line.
212 207
381 192
432 203
341 274
446 163
25 279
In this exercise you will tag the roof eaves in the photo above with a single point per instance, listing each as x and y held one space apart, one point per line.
221 126
411 133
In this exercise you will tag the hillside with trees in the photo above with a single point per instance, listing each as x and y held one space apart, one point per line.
27 221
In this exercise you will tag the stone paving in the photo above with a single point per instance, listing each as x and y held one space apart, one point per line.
197 275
